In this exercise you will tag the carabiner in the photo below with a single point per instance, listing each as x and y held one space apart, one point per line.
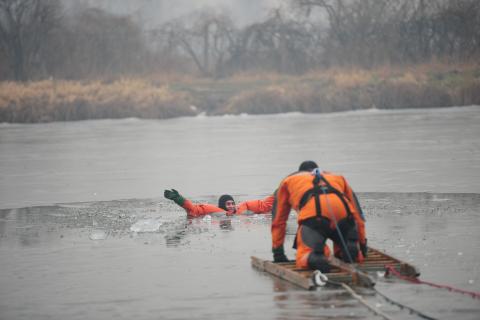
319 279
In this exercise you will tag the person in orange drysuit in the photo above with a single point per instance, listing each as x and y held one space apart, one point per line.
327 209
225 204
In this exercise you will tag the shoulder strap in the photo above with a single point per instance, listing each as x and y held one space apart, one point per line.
322 189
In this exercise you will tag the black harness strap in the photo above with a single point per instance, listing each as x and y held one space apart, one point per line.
319 190
316 192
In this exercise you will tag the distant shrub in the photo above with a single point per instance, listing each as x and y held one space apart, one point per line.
468 93
70 100
397 95
260 101
167 96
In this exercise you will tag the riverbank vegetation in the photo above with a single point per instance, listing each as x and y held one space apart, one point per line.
422 86
50 100
308 56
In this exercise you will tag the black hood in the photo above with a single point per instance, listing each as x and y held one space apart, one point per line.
224 198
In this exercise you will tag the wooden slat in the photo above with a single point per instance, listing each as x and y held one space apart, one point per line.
289 275
303 277
373 268
258 263
355 274
359 277
345 279
378 261
404 268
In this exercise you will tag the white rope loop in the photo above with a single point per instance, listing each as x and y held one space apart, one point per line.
319 278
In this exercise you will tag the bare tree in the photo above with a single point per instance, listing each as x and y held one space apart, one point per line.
372 32
25 26
278 43
206 37
96 44
355 28
37 40
457 29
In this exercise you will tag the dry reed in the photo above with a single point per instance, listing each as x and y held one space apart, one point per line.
52 100
166 96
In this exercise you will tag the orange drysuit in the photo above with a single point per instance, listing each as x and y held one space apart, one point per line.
255 206
295 192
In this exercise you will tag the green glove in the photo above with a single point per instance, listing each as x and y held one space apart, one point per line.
279 255
174 196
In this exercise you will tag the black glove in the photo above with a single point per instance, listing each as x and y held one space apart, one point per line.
364 248
174 196
279 255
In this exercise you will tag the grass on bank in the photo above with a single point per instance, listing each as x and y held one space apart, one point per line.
52 100
166 96
421 86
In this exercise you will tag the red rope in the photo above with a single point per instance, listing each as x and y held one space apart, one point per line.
391 269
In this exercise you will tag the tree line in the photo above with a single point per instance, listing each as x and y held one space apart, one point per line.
39 39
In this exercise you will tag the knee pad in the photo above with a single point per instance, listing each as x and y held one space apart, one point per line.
318 262
313 239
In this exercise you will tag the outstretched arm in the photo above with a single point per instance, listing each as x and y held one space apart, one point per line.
193 210
174 196
201 209
257 206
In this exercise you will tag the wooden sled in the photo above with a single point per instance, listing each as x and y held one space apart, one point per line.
354 274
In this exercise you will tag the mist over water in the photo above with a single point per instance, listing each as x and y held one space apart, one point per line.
95 255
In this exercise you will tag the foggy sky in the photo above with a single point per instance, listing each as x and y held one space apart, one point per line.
151 13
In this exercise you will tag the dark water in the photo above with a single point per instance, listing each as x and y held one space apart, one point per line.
436 150
416 171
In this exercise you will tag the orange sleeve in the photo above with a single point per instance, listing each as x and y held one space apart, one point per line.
198 210
355 211
280 215
256 206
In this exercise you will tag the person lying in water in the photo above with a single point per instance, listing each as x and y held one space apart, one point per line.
226 204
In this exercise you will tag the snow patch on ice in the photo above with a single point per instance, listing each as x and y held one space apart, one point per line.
98 235
146 225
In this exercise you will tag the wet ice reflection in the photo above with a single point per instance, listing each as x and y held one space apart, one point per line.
143 257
